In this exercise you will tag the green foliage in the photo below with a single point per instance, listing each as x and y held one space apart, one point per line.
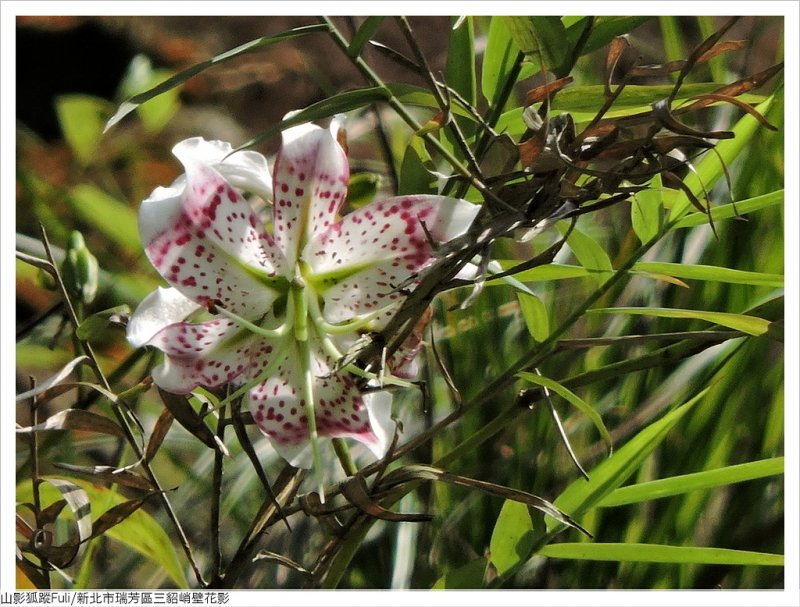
655 328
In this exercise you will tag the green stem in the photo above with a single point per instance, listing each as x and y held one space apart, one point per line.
253 328
300 298
343 454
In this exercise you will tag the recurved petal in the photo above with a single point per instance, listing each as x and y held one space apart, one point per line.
359 262
278 408
205 240
159 309
310 183
246 170
207 354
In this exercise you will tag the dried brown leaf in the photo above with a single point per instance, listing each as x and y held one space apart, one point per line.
76 419
109 474
160 429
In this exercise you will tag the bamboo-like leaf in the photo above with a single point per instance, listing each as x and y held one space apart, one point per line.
547 272
751 325
53 380
248 47
498 59
542 39
469 576
512 537
710 273
710 168
459 71
647 211
330 106
97 324
590 254
365 31
604 29
535 315
678 485
76 419
731 210
582 495
574 400
657 553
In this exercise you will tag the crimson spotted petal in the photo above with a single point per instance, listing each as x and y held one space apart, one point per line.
274 314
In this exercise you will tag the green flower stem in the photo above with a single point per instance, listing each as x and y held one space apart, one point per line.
325 328
261 331
343 453
299 296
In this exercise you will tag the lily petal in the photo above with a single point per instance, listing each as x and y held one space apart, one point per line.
206 354
246 170
359 261
341 411
159 309
206 242
311 176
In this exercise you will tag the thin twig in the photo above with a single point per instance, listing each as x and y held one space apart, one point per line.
216 490
123 420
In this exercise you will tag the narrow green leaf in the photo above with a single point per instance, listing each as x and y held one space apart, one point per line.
671 35
751 325
581 495
710 273
459 71
731 210
604 29
573 399
535 315
170 83
542 39
363 35
97 325
655 553
582 102
710 168
110 216
708 479
330 106
647 211
498 58
467 577
551 271
590 254
81 118
512 537
415 175
141 76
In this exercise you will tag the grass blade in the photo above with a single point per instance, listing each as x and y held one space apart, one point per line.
708 479
656 553
751 325
126 107
582 495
